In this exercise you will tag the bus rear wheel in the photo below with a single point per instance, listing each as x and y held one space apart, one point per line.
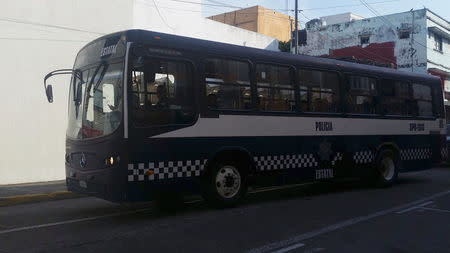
225 185
386 168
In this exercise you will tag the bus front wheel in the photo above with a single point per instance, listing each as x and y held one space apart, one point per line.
386 168
225 185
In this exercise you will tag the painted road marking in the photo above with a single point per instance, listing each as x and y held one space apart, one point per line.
276 188
266 189
52 224
193 201
302 237
269 247
435 209
283 250
415 207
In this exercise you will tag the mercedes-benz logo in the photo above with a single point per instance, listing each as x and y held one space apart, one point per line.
83 160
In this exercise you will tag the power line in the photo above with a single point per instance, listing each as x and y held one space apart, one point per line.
348 5
227 5
56 40
47 25
161 16
206 4
226 13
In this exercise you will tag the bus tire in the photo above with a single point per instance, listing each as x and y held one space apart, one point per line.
225 184
386 168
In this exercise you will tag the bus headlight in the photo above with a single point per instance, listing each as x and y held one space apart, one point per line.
111 160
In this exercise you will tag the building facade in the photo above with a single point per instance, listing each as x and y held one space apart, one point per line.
259 19
39 36
415 41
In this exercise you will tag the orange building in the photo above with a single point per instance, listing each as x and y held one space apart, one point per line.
259 19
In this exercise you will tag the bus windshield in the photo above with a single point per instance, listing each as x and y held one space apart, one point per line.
95 96
96 109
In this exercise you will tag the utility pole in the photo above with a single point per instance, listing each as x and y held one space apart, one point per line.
296 26
413 51
290 44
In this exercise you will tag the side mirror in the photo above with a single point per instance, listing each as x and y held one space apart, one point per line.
49 93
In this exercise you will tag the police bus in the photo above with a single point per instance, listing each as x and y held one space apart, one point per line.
150 112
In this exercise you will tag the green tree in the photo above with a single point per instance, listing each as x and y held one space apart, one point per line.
284 46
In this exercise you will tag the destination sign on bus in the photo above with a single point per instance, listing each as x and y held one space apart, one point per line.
108 50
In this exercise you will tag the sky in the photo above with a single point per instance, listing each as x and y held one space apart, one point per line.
318 8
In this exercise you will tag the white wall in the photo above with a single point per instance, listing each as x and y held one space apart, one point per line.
341 18
38 36
185 19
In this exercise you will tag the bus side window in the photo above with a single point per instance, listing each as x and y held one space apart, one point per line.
422 99
438 99
319 91
162 92
137 88
275 88
362 95
395 98
227 84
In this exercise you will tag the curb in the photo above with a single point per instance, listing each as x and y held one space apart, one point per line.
33 198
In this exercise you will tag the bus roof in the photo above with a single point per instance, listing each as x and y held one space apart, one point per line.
217 48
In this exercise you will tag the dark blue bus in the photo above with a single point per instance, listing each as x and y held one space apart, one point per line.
150 112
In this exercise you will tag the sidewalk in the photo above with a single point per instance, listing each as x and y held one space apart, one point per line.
34 192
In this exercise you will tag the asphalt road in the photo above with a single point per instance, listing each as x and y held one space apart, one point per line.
412 216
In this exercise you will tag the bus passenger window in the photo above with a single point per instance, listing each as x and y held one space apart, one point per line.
162 92
227 84
319 91
137 87
275 88
396 98
422 99
362 96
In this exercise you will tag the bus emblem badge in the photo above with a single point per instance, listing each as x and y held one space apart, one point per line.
83 160
325 150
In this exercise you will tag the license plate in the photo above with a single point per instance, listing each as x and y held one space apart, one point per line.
83 184
324 174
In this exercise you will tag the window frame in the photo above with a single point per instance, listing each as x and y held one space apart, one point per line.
364 38
393 115
293 79
340 90
438 43
215 112
402 33
345 91
414 117
195 106
434 113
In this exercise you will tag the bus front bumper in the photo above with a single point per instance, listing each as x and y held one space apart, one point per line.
98 183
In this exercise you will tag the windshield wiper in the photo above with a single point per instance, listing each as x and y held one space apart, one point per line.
100 78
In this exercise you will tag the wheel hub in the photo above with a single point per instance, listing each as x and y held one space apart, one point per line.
228 181
387 168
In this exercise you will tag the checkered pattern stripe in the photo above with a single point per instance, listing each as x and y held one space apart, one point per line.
165 170
337 157
444 153
363 157
415 154
279 162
